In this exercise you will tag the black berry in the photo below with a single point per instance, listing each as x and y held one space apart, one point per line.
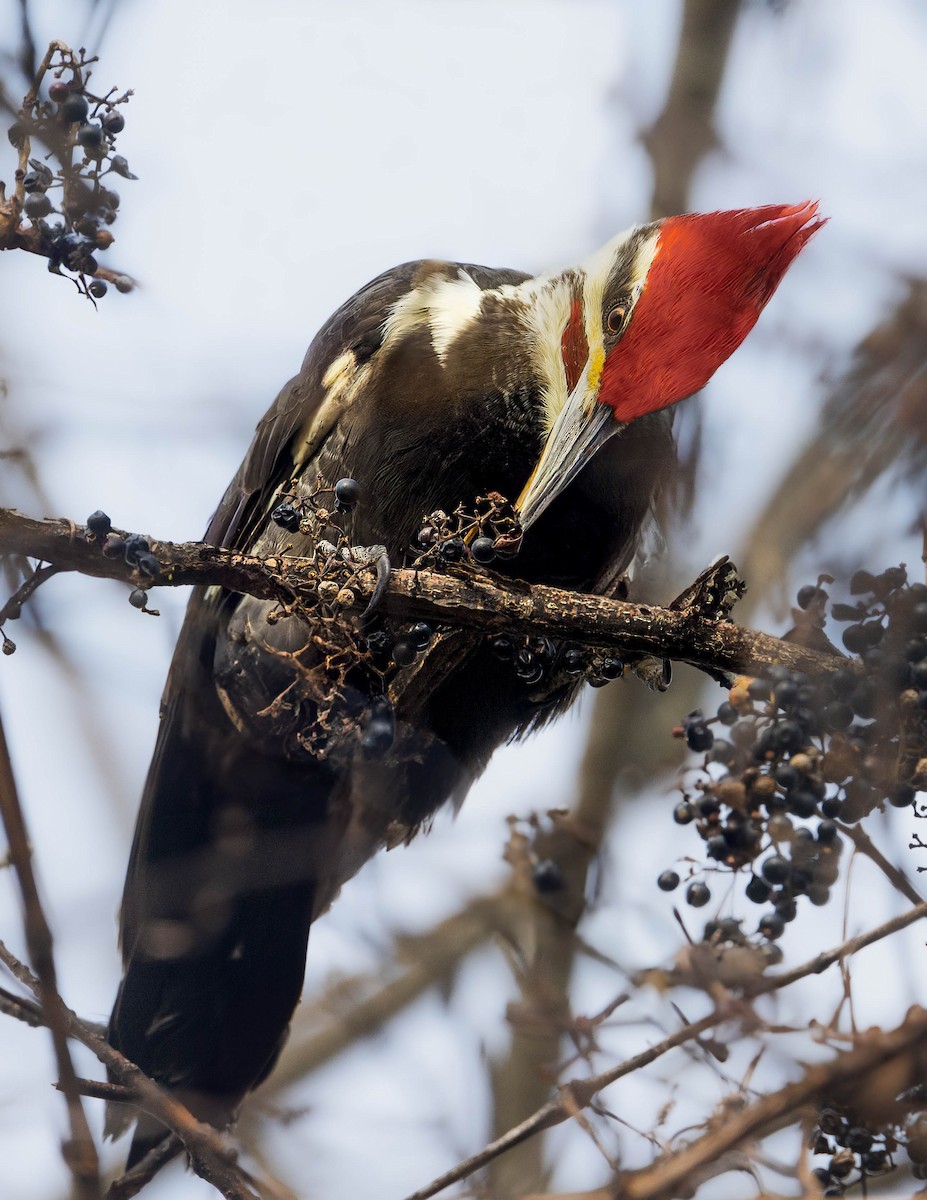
378 737
404 652
776 869
347 494
99 523
698 895
74 108
287 517
37 205
503 647
547 877
114 122
482 551
421 633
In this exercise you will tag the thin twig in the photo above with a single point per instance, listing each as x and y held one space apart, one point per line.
11 610
577 1094
132 1182
865 845
212 1154
79 1151
663 1180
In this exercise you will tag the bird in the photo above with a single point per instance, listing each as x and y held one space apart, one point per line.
435 384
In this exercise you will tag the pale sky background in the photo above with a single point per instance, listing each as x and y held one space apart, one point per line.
288 152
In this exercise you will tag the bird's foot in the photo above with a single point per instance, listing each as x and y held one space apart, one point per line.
378 557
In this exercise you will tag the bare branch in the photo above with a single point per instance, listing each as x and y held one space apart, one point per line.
875 1050
212 1154
683 134
576 1095
79 1151
473 599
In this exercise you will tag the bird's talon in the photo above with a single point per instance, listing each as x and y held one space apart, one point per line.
378 556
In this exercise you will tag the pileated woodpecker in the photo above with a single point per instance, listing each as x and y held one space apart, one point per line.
436 383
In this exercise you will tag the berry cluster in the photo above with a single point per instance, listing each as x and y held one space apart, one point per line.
389 648
799 755
316 510
856 1152
492 530
72 203
538 660
133 547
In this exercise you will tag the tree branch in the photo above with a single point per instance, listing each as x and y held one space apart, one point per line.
79 1151
212 1154
469 598
576 1095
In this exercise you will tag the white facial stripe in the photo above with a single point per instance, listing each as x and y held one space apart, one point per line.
549 299
446 306
646 253
598 269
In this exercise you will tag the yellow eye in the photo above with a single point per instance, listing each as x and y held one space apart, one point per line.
615 318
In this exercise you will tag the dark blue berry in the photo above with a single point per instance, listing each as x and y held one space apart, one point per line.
772 926
99 523
855 639
482 551
74 108
698 895
36 206
699 737
421 633
453 550
378 737
757 890
404 652
347 494
503 647
135 544
808 594
547 877
574 661
838 714
827 832
727 713
776 869
901 796
91 138
287 517
668 881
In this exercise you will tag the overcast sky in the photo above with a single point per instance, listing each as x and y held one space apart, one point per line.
286 153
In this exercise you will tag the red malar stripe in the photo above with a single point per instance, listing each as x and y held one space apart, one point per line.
573 345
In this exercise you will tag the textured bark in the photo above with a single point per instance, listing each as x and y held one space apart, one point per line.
469 599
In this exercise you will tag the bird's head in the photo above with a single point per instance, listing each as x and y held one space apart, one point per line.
647 321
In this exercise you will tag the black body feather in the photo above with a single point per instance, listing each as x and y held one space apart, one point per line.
243 837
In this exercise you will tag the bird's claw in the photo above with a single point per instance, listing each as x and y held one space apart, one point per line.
379 557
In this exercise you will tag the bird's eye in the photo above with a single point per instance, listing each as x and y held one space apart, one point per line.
615 318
